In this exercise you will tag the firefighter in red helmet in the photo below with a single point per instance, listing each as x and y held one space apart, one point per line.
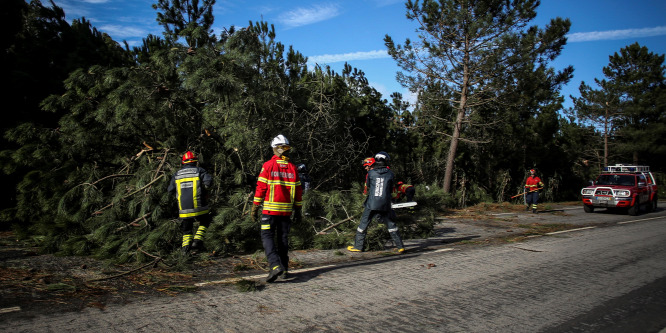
368 162
532 186
367 165
190 184
405 191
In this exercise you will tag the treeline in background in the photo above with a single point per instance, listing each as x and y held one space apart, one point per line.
93 129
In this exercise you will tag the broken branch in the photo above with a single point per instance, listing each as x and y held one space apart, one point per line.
125 273
323 231
133 223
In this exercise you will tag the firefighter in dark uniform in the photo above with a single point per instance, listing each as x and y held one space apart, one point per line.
381 190
304 176
279 190
532 186
190 184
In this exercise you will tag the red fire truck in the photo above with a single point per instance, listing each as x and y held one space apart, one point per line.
620 186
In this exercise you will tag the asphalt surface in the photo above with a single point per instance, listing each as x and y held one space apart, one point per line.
607 273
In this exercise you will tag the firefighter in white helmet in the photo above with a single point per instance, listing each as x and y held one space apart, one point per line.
279 190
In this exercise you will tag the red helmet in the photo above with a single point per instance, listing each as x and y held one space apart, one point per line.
368 161
400 183
189 157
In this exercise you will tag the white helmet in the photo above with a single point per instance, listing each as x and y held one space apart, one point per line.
382 155
279 140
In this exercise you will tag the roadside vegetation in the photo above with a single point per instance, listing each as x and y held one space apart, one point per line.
96 128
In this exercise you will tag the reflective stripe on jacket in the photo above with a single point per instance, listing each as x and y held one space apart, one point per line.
278 187
190 183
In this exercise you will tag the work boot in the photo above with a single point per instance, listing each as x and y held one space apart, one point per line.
185 249
284 275
274 273
527 209
351 248
534 211
198 245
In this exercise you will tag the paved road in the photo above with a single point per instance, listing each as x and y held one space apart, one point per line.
579 281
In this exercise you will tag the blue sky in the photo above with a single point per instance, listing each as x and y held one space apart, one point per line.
330 32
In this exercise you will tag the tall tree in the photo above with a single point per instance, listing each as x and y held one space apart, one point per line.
599 107
39 50
470 50
187 19
636 75
628 106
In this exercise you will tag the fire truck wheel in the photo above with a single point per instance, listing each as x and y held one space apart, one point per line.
635 209
588 209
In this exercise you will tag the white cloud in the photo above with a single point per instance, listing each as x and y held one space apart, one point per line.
304 16
332 58
72 10
615 34
120 32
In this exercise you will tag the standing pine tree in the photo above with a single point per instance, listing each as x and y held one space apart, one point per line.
468 54
598 108
636 75
628 107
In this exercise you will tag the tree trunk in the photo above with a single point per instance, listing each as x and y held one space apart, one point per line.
448 173
453 147
635 158
606 120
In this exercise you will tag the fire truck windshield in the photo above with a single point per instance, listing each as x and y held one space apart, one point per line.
622 180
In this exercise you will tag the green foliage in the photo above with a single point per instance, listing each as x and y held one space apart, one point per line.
338 206
333 241
39 50
245 286
482 77
628 107
96 185
104 128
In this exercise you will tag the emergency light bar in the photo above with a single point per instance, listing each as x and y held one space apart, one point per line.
620 168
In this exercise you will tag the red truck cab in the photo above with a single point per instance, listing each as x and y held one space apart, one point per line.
622 186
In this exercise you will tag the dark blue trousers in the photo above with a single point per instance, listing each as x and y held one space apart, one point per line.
277 253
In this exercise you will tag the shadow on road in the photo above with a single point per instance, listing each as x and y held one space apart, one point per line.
413 250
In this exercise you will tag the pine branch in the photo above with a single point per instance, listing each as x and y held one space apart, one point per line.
164 158
133 223
103 178
148 254
127 196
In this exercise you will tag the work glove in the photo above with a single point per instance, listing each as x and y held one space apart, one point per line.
297 217
255 211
